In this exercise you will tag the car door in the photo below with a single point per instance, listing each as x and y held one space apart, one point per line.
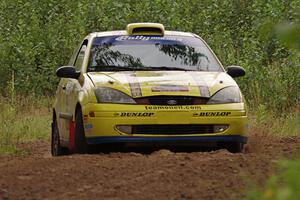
71 87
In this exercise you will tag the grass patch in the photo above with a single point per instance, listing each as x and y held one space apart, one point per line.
23 120
284 125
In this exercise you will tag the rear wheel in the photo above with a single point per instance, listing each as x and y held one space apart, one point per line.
56 148
80 142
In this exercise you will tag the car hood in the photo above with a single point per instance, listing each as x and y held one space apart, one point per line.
154 83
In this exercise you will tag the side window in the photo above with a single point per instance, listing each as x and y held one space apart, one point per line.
74 55
80 56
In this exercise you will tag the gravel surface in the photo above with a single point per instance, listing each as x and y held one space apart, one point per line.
162 174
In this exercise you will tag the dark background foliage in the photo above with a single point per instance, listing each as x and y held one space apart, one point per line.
38 36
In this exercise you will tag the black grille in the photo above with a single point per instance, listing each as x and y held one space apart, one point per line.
172 129
171 100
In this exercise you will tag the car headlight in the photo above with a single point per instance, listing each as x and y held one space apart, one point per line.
226 95
110 95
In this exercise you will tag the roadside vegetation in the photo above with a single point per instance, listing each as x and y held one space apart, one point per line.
283 185
261 36
23 120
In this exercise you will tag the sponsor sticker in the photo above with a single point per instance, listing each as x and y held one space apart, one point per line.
173 107
133 114
211 114
169 88
88 128
147 38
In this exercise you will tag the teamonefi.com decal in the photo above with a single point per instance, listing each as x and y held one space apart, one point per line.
177 107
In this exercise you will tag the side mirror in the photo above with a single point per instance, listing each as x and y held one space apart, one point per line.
67 72
235 71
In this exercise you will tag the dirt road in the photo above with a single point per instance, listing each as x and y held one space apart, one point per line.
160 175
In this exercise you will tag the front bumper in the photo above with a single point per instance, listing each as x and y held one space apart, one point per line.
168 140
101 121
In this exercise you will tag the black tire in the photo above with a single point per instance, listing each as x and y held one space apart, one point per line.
235 147
80 142
56 148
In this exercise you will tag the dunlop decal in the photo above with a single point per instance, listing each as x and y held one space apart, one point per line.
134 85
203 88
133 114
211 114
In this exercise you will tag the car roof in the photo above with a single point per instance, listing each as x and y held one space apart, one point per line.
166 33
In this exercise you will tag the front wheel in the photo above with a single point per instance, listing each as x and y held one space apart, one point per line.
56 148
235 147
80 142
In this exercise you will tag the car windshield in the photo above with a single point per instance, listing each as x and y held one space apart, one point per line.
133 53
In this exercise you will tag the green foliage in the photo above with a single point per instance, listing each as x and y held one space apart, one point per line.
283 185
291 125
262 114
38 36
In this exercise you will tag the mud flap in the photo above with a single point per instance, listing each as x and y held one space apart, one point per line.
72 136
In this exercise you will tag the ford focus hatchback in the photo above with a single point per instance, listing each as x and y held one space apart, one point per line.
146 85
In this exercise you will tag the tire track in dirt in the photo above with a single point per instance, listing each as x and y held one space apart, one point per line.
160 175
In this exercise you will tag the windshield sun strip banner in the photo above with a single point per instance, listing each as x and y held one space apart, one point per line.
202 85
134 85
140 39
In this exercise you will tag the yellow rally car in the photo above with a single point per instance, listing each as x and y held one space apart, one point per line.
143 86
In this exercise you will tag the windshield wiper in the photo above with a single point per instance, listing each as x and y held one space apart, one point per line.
170 68
113 68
